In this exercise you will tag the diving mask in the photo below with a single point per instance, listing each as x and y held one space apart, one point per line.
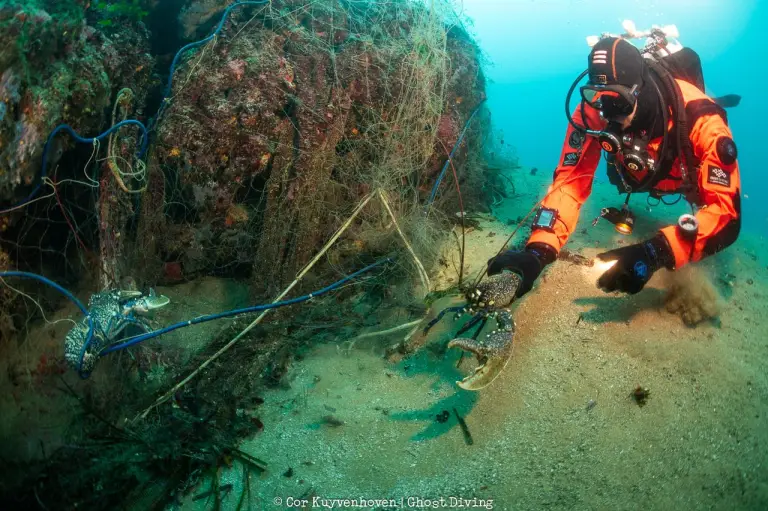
613 101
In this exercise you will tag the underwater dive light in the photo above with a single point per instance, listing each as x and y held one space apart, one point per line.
626 222
622 219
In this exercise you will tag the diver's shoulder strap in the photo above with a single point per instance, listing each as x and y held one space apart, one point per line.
696 105
694 110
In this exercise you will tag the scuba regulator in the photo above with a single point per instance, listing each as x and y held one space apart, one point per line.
630 151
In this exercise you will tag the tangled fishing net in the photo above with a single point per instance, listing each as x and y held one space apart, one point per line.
278 130
296 122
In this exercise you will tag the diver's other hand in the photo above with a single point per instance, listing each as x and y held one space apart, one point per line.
635 265
527 263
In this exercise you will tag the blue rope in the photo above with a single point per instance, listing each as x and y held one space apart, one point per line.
253 308
71 297
65 127
35 276
145 138
201 42
195 321
450 156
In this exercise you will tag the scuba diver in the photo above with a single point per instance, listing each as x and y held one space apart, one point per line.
663 136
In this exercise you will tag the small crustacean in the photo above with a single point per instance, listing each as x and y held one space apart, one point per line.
489 299
110 312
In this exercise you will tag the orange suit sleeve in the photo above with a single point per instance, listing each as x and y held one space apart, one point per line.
573 178
719 193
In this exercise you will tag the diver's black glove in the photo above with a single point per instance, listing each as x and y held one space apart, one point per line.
635 265
528 264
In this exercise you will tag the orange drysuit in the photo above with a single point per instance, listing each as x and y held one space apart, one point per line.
716 177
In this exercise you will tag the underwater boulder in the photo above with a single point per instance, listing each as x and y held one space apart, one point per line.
277 131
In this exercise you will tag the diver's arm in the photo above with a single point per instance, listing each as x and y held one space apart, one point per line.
572 180
719 191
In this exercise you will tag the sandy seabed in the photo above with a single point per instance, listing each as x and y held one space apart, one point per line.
558 429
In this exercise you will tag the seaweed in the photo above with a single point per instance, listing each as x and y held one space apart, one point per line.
121 10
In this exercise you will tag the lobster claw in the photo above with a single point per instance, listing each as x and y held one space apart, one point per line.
493 352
